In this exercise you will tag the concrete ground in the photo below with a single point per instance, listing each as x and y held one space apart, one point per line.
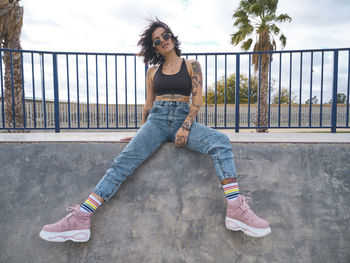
172 209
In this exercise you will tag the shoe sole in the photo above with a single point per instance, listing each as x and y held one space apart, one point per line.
73 235
236 225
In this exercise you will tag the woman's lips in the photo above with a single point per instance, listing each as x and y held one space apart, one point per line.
165 45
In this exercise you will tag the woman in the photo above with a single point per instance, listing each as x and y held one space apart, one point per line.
167 116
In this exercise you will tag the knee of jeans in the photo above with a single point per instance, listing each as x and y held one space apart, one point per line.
221 146
223 138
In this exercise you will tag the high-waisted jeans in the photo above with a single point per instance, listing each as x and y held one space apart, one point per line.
163 122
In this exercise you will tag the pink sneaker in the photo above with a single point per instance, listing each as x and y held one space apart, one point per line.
239 216
75 226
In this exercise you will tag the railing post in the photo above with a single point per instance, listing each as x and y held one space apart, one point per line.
335 92
56 96
237 93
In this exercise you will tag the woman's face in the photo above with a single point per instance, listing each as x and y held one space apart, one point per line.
165 45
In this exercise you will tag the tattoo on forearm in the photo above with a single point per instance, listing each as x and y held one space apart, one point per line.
191 116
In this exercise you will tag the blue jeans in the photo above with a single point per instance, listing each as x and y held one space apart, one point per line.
163 122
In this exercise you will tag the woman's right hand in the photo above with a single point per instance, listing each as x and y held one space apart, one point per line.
126 139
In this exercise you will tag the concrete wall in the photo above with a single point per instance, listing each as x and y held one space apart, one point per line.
172 208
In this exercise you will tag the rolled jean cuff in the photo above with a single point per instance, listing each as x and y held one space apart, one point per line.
229 180
225 169
102 195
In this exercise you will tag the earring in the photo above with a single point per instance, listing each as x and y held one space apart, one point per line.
158 55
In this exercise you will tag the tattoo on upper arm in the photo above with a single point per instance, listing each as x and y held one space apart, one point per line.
196 77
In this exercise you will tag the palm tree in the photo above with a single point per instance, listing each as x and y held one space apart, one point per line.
11 17
259 17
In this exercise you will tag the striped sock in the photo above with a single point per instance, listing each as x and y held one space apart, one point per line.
91 204
231 189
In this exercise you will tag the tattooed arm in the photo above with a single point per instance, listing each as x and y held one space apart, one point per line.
196 94
196 75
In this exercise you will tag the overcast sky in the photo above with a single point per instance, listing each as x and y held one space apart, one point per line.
202 25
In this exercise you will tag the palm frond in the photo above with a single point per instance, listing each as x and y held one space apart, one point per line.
241 18
257 8
270 17
237 37
283 40
248 29
275 29
274 44
246 4
283 18
247 44
241 34
239 13
244 31
271 5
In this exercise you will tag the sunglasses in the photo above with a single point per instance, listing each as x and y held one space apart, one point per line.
165 37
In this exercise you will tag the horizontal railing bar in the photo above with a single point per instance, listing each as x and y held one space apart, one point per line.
262 52
184 54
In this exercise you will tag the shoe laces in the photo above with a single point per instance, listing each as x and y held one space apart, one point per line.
70 209
243 203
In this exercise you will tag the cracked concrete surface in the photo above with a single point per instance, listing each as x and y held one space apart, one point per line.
172 208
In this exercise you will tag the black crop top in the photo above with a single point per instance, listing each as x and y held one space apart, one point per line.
179 83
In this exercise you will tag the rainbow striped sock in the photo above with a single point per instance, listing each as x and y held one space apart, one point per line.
91 204
231 189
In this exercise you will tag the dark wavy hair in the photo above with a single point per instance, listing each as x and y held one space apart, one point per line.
147 50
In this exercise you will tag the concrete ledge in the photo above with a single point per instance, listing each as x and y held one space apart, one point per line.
234 137
172 209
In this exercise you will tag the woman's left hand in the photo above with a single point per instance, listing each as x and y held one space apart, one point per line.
181 137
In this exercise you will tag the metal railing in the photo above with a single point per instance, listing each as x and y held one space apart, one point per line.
67 90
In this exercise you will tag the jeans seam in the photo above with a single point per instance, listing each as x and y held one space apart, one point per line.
117 186
224 172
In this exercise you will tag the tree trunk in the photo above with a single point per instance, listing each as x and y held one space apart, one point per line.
13 96
15 86
264 91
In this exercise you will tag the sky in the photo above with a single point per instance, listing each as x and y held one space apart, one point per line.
114 26
202 26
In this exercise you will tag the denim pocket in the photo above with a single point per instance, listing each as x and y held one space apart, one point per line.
184 109
155 109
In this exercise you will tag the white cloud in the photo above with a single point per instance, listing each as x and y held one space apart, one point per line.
316 23
114 26
202 26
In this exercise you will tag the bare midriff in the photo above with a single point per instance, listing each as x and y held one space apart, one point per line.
174 97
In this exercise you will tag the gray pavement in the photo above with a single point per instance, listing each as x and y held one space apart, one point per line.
172 209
